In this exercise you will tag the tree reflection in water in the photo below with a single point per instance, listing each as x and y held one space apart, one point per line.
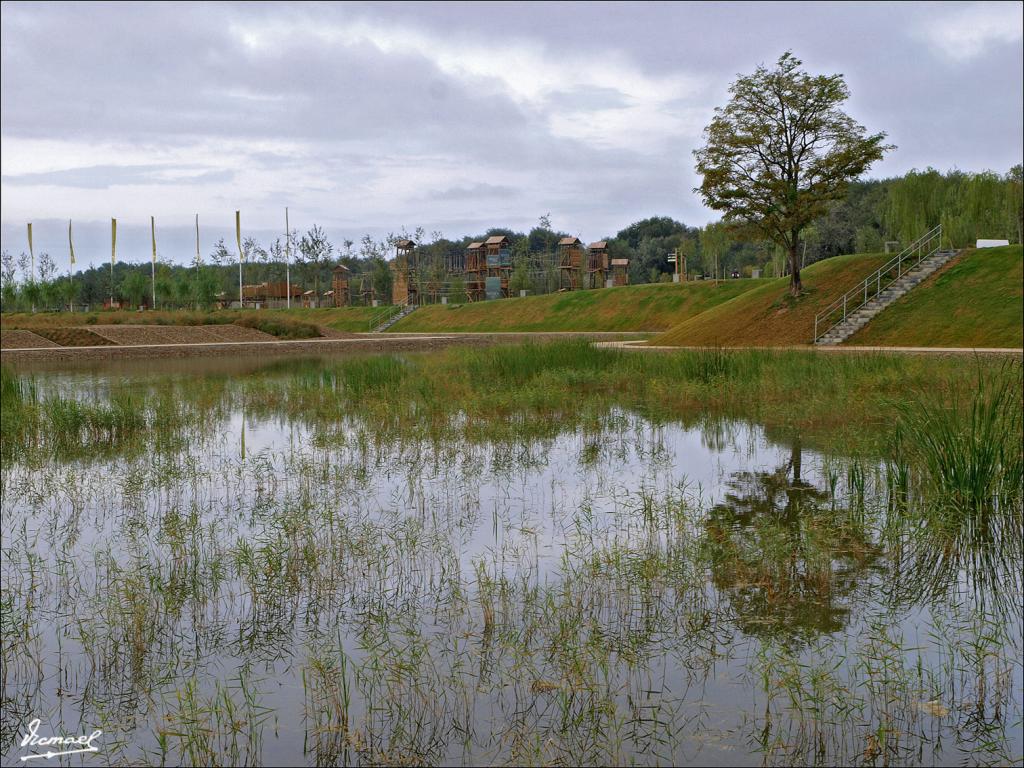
786 558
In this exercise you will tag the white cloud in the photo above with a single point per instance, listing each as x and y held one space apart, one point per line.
520 69
967 32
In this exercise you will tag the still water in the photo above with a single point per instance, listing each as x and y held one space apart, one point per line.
271 589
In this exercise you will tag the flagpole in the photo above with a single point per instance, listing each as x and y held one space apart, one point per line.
71 269
113 256
32 253
198 257
287 260
152 229
238 238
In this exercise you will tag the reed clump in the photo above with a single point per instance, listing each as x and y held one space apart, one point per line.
968 447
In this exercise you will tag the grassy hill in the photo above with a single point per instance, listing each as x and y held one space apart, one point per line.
977 300
767 315
627 308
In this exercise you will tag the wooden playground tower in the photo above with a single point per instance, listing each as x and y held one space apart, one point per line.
488 268
571 256
404 288
597 264
580 266
340 286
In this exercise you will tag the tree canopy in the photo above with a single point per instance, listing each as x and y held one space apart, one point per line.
781 150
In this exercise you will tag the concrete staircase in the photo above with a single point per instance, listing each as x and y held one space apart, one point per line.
863 315
405 311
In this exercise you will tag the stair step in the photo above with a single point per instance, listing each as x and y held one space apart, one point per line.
898 288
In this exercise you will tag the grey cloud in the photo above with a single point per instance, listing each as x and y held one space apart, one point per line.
171 77
588 99
107 176
473 192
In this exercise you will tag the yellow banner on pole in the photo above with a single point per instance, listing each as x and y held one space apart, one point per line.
113 241
238 234
71 244
152 229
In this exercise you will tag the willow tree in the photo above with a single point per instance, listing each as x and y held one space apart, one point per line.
781 150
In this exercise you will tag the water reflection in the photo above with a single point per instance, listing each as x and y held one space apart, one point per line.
595 594
971 554
788 560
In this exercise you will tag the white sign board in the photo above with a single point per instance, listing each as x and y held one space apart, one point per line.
991 243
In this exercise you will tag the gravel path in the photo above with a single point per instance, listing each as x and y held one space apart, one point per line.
639 346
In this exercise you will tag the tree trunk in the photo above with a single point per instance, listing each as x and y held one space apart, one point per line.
795 286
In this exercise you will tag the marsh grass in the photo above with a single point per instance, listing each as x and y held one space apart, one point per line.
969 447
496 556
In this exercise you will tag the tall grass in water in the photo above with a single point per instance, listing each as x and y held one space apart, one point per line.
969 450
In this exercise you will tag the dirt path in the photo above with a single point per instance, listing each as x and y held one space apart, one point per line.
639 346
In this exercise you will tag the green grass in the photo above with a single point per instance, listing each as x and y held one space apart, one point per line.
768 316
976 301
627 308
346 319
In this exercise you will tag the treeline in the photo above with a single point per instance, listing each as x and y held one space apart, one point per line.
873 214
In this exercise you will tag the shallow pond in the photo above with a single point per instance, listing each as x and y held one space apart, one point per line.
268 588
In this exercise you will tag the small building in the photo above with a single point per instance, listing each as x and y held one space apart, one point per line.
269 294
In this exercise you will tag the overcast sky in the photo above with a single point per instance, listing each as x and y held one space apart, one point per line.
454 117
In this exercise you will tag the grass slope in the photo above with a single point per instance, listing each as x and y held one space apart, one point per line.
767 316
627 308
975 301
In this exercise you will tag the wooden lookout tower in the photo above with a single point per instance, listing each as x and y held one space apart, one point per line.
597 264
570 263
340 286
499 266
404 287
475 271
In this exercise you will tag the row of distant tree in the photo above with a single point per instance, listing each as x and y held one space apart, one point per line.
873 213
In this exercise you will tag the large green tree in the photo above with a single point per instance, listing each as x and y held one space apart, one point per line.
781 150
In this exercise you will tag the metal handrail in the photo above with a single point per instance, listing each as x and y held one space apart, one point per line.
390 311
872 285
